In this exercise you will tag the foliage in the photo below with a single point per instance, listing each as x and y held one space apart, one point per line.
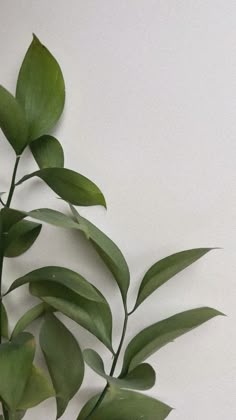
27 120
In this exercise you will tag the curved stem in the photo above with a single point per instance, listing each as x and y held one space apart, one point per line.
12 187
116 357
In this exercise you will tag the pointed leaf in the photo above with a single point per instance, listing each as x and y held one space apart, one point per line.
12 121
165 269
108 251
93 316
47 152
4 322
40 89
67 372
142 377
30 316
16 360
21 237
152 338
63 276
120 404
70 186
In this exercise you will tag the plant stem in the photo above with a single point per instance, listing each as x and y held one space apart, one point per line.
116 357
12 187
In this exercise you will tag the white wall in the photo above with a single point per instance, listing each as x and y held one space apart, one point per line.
151 118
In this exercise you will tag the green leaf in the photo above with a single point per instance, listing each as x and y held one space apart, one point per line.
10 217
30 316
16 360
142 377
154 337
4 319
70 186
47 152
64 360
21 237
165 269
55 218
12 121
93 316
38 389
16 415
40 89
108 251
120 404
63 276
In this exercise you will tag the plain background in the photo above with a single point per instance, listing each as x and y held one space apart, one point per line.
151 117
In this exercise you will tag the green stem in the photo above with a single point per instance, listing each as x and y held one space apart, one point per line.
116 357
12 187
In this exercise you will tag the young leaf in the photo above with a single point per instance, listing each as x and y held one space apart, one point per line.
142 377
64 360
16 360
12 121
93 316
38 389
70 186
152 338
63 276
120 404
40 89
108 251
165 269
47 152
30 316
21 237
4 321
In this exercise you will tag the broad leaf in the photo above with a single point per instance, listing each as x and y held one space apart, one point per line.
10 217
47 152
108 251
142 377
64 360
63 276
16 360
30 316
70 186
38 389
40 89
165 269
93 316
4 321
12 121
152 338
21 237
120 404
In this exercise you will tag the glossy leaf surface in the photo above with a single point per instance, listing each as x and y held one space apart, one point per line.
142 377
165 269
12 121
70 186
152 338
21 237
47 152
120 404
64 360
40 89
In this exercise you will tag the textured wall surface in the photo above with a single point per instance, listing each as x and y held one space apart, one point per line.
151 117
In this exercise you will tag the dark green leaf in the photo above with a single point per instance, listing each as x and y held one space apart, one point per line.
10 217
4 319
12 121
40 89
165 269
16 360
16 415
48 152
108 251
142 377
63 276
93 316
21 237
70 186
64 360
120 404
30 316
152 338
